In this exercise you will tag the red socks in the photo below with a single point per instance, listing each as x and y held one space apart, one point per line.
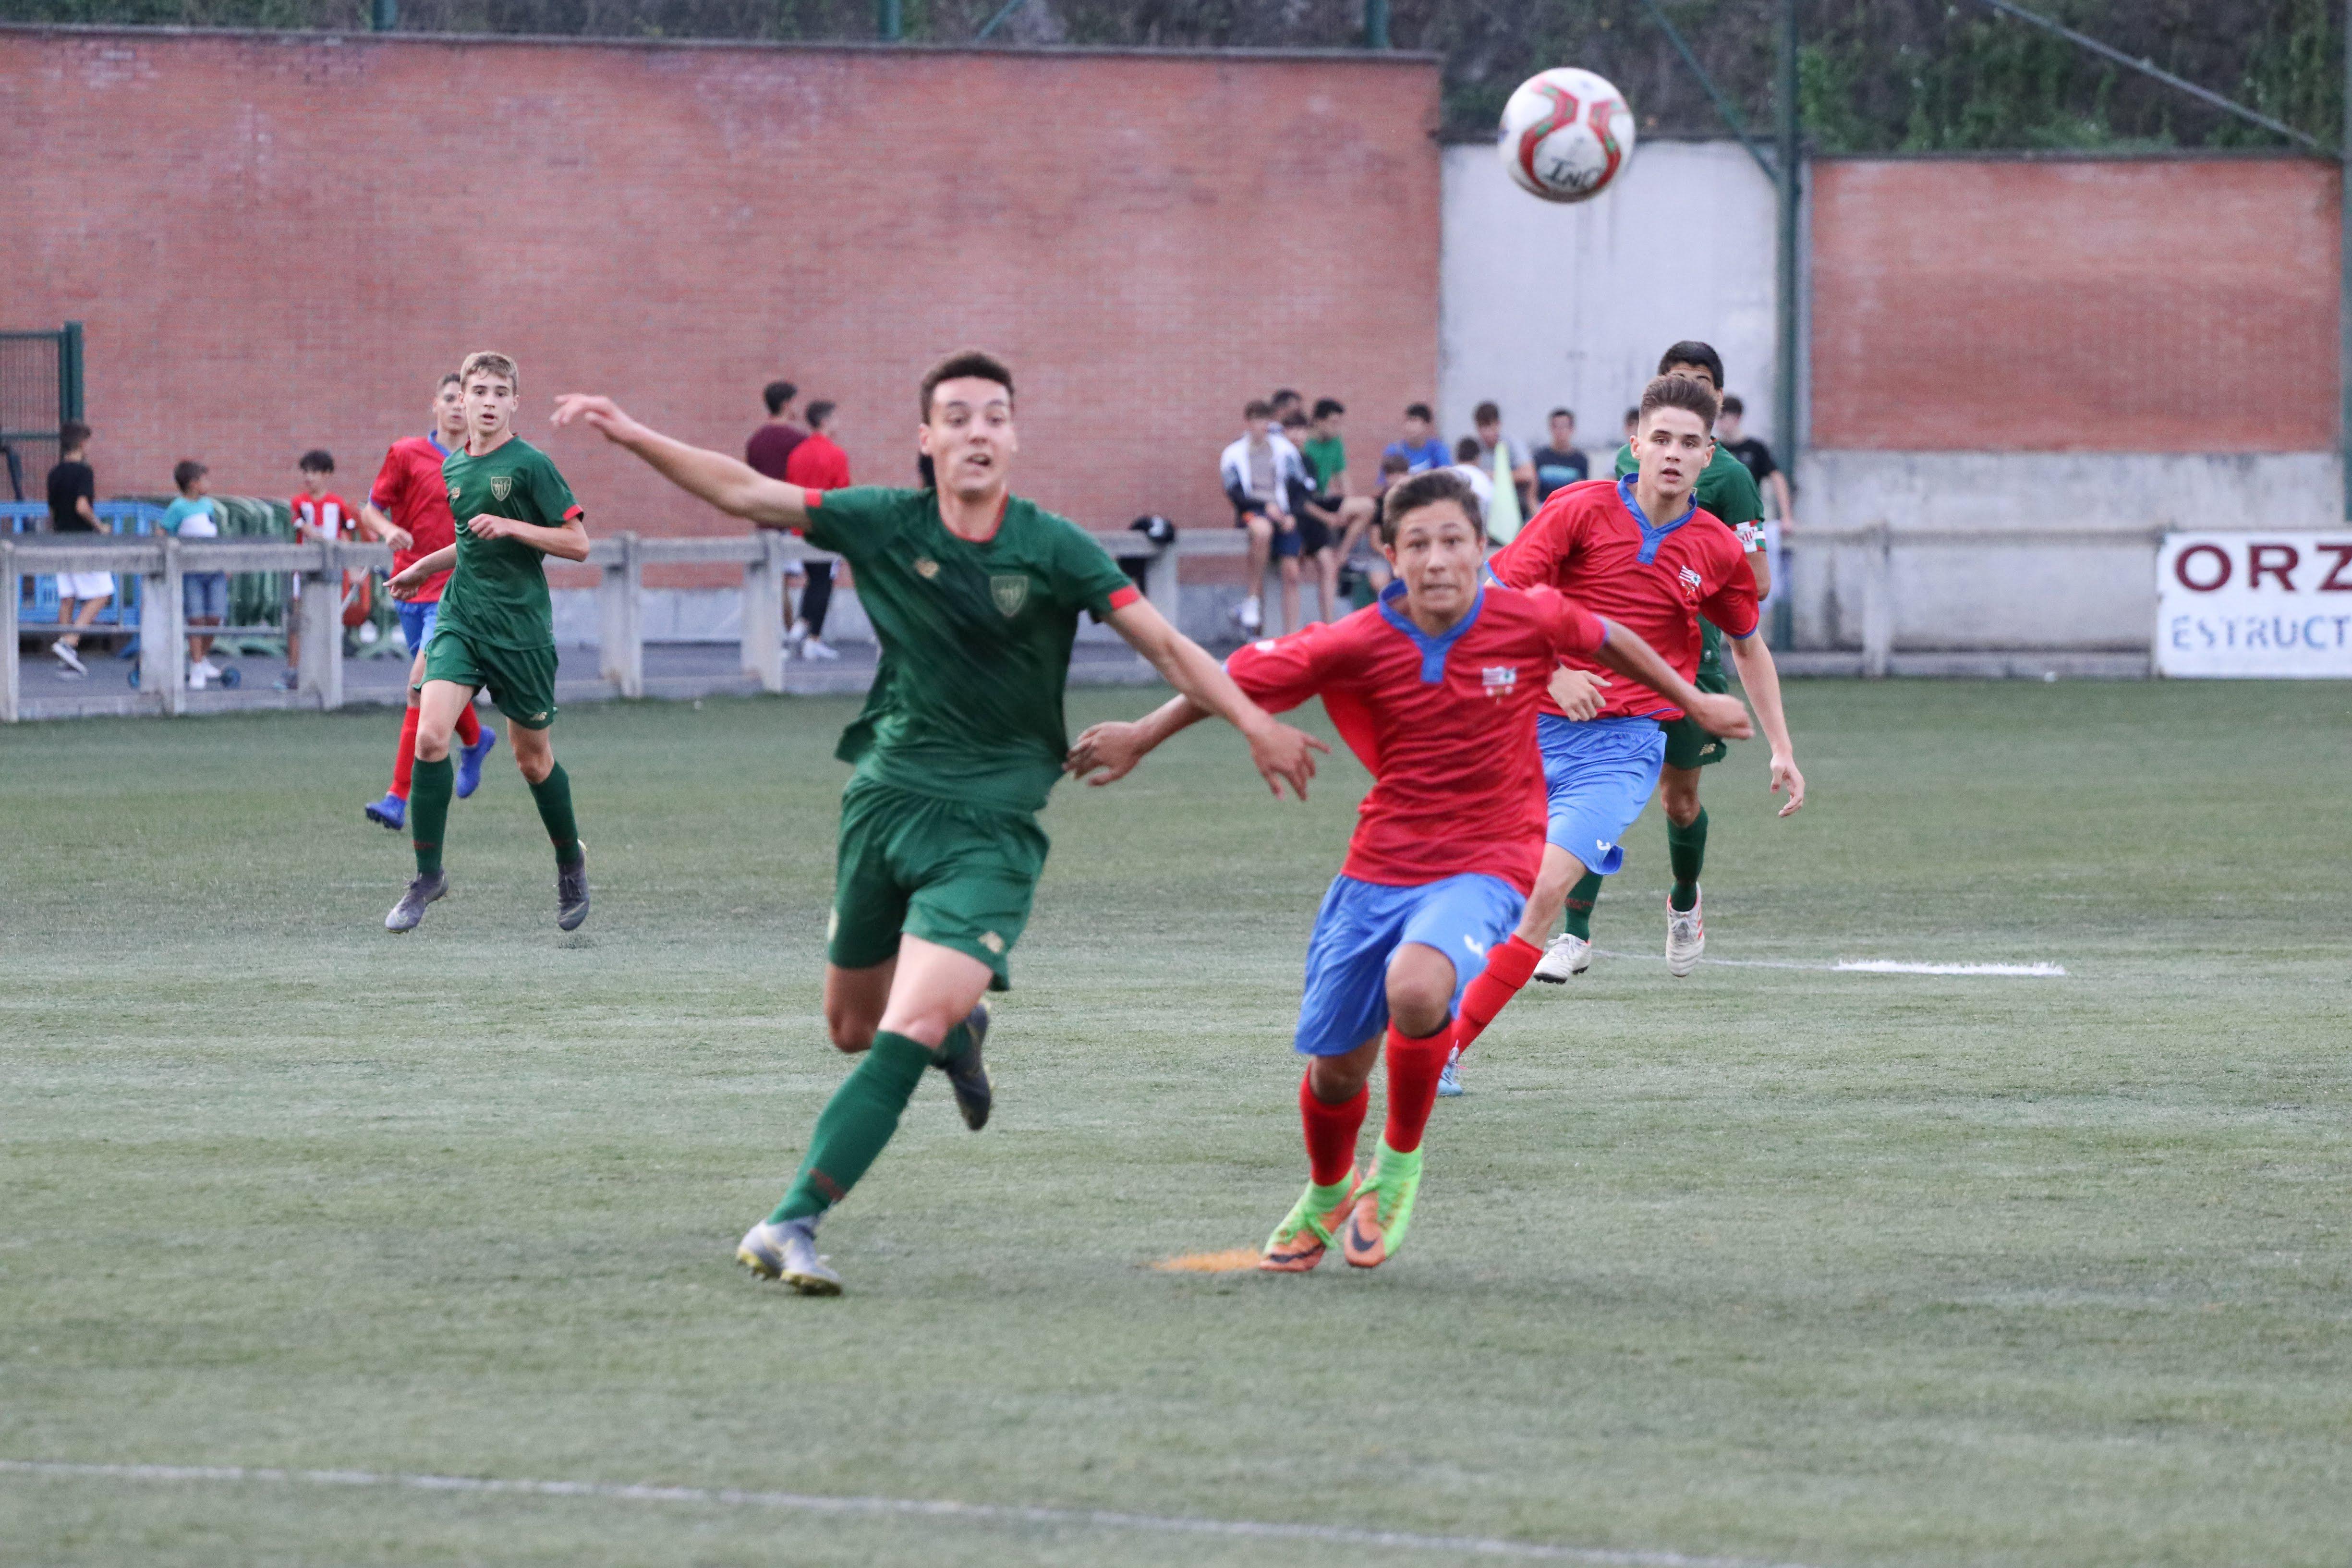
1332 1131
1413 1067
404 763
1507 968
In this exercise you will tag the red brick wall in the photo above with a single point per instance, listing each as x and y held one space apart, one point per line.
279 242
2126 305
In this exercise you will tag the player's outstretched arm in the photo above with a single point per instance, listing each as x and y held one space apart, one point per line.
404 585
733 487
1627 654
1281 753
1761 679
1110 751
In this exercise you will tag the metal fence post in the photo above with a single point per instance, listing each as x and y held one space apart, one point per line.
11 593
763 614
1877 600
163 646
620 643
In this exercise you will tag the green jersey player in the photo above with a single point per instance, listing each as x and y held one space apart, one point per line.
495 630
975 597
1727 490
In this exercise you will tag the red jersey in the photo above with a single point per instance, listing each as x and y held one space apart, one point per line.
817 464
328 516
410 491
1591 540
1445 725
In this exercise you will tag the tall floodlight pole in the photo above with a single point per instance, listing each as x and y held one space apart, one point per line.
1785 372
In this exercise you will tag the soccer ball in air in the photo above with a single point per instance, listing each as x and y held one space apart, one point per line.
1567 133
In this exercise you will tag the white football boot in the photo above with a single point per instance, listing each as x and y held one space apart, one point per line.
1686 937
1565 956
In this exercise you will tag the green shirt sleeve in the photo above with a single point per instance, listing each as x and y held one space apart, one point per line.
855 523
1625 463
1085 575
549 493
1742 501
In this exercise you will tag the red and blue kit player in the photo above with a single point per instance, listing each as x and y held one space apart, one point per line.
1434 688
1639 551
408 508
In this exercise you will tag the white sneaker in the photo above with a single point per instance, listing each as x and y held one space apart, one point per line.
796 635
788 1252
68 658
1251 618
212 672
813 648
1686 937
1565 956
197 678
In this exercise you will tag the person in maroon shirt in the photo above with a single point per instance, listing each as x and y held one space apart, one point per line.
770 451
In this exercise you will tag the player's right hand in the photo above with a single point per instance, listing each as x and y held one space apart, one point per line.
404 585
1578 692
602 415
1108 751
1284 755
1721 714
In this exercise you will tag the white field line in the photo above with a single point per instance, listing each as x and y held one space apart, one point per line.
901 1507
1869 966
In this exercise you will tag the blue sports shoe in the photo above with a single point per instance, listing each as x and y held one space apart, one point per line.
469 761
1449 1077
392 811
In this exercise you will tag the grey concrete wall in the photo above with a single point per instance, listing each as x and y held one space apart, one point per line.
1965 573
1542 305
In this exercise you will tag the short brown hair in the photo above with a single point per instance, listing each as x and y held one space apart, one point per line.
187 472
489 363
1427 489
963 364
1257 410
1680 392
446 377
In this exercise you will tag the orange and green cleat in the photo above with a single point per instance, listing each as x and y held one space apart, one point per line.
1384 1209
1306 1233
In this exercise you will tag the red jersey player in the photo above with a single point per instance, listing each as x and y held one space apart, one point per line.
410 489
1598 541
1434 688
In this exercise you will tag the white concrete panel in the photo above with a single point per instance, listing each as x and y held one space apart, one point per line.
1541 305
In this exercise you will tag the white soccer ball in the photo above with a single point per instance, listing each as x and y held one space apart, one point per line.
1567 133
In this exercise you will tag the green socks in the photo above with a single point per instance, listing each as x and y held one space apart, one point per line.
1581 899
553 795
1686 850
428 811
854 1126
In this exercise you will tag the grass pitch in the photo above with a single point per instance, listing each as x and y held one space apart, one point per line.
1772 1264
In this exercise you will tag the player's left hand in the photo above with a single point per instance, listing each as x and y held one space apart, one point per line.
1721 714
1108 751
1578 692
1785 775
1284 755
486 526
604 416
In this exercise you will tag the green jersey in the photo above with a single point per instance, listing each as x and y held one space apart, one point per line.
497 596
967 704
1328 457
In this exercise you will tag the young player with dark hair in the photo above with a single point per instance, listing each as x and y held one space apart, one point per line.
1726 492
1434 688
975 595
408 508
495 631
1640 550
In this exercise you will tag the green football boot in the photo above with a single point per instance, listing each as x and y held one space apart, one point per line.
1384 1209
1306 1232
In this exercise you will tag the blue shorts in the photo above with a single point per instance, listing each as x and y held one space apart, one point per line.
203 593
417 621
1359 928
1598 775
1286 542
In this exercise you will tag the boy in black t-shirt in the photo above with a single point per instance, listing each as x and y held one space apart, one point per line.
1559 463
73 495
1754 456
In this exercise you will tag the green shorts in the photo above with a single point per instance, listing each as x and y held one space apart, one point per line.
1687 745
520 680
957 875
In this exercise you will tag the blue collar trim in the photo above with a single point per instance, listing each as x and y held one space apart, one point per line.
1433 649
1652 535
435 436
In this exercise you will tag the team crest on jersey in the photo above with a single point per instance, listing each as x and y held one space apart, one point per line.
1694 586
501 487
453 495
1500 679
926 568
1010 592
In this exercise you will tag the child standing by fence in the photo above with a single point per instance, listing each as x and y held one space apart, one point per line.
204 596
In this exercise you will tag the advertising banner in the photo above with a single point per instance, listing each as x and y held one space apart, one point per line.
2276 605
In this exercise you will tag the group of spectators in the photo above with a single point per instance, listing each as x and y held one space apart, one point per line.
317 513
800 448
